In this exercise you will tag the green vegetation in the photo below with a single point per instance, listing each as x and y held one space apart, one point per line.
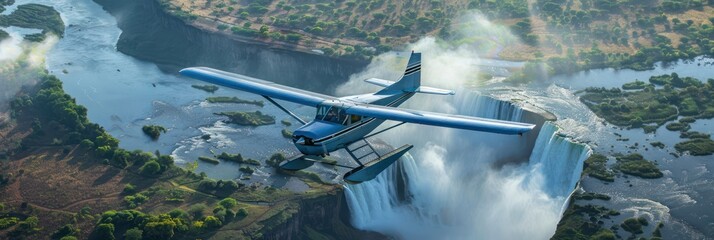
581 222
696 146
694 135
286 122
636 85
596 166
248 118
135 200
659 145
634 225
209 160
207 88
590 196
153 131
35 16
679 96
275 160
233 100
677 126
634 164
657 233
237 158
287 133
247 170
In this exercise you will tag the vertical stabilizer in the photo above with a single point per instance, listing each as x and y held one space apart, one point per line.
411 80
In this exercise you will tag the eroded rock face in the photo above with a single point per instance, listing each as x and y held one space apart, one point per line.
327 214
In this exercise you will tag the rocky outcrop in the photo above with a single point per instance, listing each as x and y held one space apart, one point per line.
151 34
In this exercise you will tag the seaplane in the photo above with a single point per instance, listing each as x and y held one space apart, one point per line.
348 122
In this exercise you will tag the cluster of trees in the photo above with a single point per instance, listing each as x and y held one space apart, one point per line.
220 187
133 224
25 227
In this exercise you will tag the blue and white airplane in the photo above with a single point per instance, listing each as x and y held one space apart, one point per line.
343 122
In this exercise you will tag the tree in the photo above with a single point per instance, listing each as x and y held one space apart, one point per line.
133 234
150 168
228 203
212 222
196 210
65 230
242 213
105 231
163 229
29 225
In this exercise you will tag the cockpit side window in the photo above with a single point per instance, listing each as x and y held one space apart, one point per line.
355 118
336 115
322 112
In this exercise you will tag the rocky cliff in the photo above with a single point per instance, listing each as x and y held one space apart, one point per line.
151 34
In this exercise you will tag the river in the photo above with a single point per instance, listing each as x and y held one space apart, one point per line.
104 80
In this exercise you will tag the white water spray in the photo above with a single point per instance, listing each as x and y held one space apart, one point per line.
456 184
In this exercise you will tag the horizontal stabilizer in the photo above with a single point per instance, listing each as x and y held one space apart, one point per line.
432 90
379 82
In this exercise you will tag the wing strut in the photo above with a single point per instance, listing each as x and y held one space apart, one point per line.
285 110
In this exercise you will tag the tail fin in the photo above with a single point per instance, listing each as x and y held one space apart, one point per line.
411 80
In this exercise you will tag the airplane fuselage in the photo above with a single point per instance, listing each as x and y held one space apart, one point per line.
332 130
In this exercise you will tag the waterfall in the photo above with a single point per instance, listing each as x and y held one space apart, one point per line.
560 160
453 188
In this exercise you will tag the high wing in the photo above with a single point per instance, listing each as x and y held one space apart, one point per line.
439 119
257 86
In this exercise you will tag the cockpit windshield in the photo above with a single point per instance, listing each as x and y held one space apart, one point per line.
336 115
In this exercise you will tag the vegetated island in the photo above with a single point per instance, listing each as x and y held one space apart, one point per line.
153 131
677 96
209 160
207 88
696 147
596 166
233 100
561 37
34 16
248 118
636 165
237 158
